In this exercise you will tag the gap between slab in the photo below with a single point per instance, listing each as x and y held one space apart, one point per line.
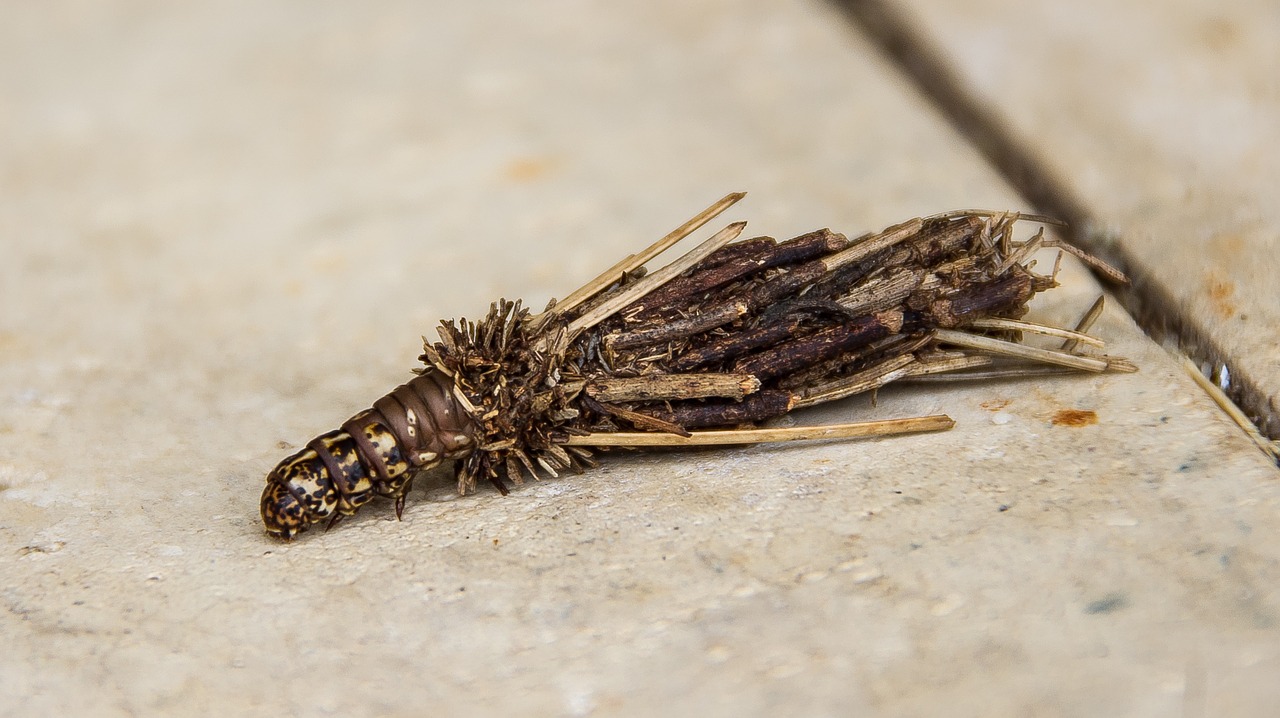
893 33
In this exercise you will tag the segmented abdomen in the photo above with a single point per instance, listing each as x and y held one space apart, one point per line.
377 452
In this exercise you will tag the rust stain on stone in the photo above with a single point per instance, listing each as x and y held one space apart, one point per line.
1221 292
996 404
1075 417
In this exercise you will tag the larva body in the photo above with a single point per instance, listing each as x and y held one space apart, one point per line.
375 453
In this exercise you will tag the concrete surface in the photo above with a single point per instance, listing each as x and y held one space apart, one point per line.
1163 118
226 225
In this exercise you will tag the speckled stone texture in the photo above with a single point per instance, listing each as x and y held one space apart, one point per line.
224 227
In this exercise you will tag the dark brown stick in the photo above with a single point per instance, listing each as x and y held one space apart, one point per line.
822 372
670 331
797 354
793 251
758 407
640 420
1006 296
735 345
737 250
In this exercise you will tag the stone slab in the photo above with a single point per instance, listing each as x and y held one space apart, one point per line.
1164 120
225 226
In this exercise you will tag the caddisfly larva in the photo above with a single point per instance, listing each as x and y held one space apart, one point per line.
732 333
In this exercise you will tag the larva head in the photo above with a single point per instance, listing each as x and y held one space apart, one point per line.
299 493
282 513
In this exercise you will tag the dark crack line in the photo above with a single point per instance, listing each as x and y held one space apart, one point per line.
1152 305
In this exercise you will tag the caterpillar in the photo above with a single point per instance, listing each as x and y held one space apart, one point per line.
732 333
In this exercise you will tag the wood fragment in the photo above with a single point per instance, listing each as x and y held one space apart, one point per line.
1086 322
652 281
1120 365
1057 265
663 387
1022 253
866 429
1107 270
954 365
883 293
635 261
737 344
799 249
977 299
856 361
869 245
784 286
936 242
1015 325
640 420
957 370
864 381
679 329
1024 216
1022 351
799 353
737 250
692 414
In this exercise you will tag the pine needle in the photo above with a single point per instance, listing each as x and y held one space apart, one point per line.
889 427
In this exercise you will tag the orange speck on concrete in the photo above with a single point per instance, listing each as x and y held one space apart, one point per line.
528 169
1075 417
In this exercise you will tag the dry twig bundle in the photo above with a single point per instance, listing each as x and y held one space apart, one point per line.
731 334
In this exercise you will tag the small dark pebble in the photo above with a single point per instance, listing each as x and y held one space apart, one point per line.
1003 507
1107 604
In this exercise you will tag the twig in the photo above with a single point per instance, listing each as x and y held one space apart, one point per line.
866 380
1086 322
921 371
1107 270
633 292
1040 218
1015 325
693 414
647 422
890 427
635 261
1019 255
793 251
791 356
670 331
1022 351
874 243
1270 448
661 387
